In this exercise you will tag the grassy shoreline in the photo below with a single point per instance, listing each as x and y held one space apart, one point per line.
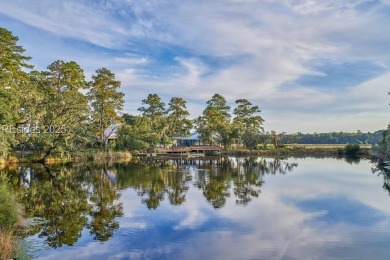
11 220
301 150
80 156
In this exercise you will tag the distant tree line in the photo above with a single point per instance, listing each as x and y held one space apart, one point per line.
334 138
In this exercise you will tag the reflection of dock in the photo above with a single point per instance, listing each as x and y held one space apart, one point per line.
193 151
181 160
168 156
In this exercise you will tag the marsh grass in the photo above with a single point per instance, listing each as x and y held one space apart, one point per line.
324 146
87 156
314 150
8 244
241 152
55 160
111 155
10 218
13 160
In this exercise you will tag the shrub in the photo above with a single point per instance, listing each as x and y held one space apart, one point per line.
352 149
8 213
10 216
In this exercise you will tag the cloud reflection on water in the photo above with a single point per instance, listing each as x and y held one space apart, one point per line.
325 208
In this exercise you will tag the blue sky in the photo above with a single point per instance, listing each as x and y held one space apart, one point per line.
311 65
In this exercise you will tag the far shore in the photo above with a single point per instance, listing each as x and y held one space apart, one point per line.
290 150
308 150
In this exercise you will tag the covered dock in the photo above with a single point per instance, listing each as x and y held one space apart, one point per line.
194 149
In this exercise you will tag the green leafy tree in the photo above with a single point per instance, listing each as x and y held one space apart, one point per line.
134 136
154 110
30 112
246 120
265 139
106 102
214 124
137 135
251 139
128 119
276 137
179 124
13 87
63 108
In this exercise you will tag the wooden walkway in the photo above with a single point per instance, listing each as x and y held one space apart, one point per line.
191 149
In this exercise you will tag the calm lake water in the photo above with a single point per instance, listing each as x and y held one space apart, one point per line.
231 208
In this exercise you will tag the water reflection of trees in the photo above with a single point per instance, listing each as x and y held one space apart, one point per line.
61 202
352 159
217 179
104 208
153 184
242 176
65 201
382 168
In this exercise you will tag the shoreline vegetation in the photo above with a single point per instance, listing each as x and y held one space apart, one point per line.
309 150
80 156
301 150
11 221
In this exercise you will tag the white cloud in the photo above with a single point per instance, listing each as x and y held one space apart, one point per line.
264 45
339 8
195 211
131 59
70 18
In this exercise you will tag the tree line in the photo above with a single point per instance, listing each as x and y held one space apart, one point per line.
47 111
158 124
58 111
357 137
